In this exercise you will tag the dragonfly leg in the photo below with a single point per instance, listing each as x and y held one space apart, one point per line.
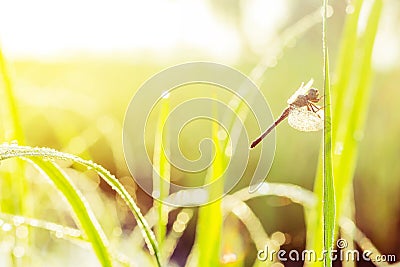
314 108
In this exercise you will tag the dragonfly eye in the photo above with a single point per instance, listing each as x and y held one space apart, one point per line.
312 94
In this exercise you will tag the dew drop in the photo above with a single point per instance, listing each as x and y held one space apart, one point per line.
6 227
19 251
22 232
229 258
221 135
14 143
179 227
165 95
350 9
59 234
183 217
338 148
228 151
156 194
18 220
329 11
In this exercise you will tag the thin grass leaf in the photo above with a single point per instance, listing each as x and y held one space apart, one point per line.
16 183
178 228
329 204
60 231
350 130
161 172
80 207
15 180
350 98
11 151
16 129
206 249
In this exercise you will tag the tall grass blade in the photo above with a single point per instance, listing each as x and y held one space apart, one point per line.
82 211
350 130
162 168
329 204
15 183
16 131
350 96
12 151
73 235
209 224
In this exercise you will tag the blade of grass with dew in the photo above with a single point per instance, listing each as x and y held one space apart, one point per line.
350 131
178 228
320 220
349 115
346 59
7 151
209 224
80 207
72 235
16 129
15 183
329 204
161 173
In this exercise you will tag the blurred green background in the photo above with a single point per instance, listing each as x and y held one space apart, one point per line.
77 65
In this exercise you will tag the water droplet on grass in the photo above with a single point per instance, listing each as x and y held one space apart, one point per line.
338 148
14 143
22 232
19 251
6 227
350 9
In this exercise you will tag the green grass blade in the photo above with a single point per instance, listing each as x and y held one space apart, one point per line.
16 128
346 59
17 183
73 235
162 168
329 205
321 219
12 151
351 94
80 207
358 91
14 182
209 224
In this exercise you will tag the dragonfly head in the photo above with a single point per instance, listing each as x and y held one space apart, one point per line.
313 95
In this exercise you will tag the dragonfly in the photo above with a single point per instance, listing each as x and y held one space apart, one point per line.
302 112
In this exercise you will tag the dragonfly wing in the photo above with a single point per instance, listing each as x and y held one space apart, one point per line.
301 91
304 120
